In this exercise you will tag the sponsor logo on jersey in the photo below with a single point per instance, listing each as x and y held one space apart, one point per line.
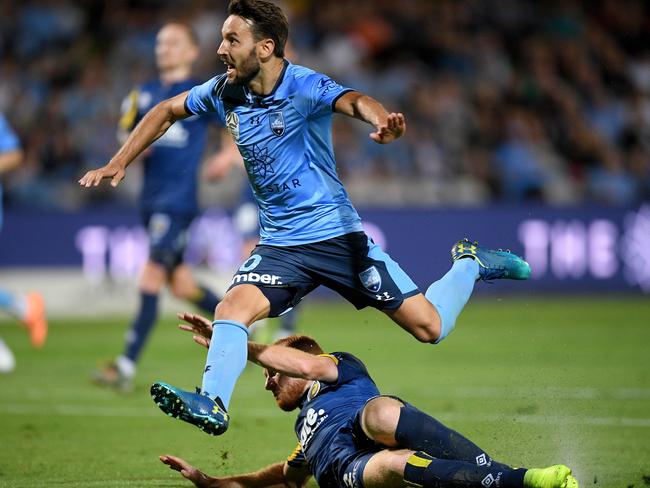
313 420
232 124
257 160
371 279
276 120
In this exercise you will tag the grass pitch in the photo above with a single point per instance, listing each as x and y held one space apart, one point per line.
532 382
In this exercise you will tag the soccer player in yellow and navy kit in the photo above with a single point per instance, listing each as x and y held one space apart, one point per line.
169 196
28 308
352 436
279 115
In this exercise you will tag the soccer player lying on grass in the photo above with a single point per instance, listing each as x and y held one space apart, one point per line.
352 436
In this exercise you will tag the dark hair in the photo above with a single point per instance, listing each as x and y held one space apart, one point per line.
268 21
302 342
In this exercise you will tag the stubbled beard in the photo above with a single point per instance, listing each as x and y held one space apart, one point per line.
248 70
290 395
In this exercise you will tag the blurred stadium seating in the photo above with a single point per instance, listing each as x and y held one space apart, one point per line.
513 100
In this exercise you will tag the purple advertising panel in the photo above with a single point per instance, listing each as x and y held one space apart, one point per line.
578 249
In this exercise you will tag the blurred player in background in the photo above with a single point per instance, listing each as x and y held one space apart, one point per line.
169 198
350 435
28 308
280 115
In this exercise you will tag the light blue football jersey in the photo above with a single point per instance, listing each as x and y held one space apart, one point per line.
285 139
8 142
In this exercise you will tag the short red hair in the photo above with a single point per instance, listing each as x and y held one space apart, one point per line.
301 342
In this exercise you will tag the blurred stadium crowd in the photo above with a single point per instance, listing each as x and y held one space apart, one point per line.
506 100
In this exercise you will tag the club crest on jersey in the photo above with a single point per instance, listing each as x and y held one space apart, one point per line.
371 279
276 120
313 391
232 124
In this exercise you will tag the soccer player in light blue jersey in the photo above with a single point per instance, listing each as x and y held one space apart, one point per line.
352 436
279 115
28 308
168 200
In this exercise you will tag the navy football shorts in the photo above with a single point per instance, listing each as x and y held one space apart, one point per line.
167 237
351 265
346 456
349 452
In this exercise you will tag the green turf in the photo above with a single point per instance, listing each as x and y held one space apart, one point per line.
534 383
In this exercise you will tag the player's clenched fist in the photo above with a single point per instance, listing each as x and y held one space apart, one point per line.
111 170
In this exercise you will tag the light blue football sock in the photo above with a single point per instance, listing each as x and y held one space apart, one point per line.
226 359
450 293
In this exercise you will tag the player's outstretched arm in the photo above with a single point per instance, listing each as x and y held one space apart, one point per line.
196 476
293 362
286 360
276 475
152 126
10 160
389 126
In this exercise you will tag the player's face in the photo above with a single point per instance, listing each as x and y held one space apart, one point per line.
286 390
238 51
174 48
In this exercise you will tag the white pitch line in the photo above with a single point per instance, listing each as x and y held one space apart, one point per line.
134 412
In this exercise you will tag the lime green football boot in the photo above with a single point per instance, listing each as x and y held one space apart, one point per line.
552 477
571 482
493 264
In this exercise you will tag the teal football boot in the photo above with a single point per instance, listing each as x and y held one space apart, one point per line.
493 264
207 414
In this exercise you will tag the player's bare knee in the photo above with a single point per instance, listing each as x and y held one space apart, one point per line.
225 308
179 291
241 307
379 419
